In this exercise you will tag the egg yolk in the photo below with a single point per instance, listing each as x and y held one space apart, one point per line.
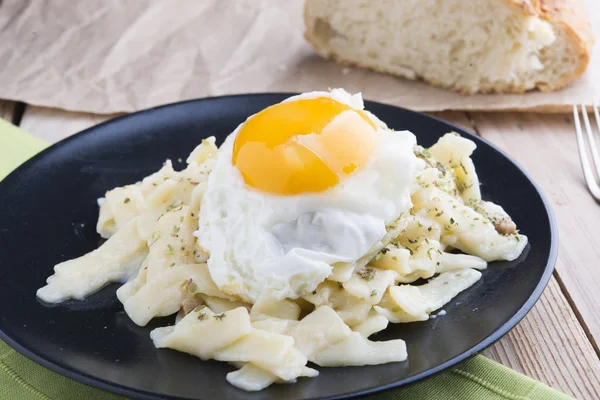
303 146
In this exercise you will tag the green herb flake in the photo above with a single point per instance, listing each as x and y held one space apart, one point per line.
199 308
155 236
170 250
439 214
220 316
172 265
413 241
367 274
176 230
429 253
191 286
174 205
441 168
373 293
127 200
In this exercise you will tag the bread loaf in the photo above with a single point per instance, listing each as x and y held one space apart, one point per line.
482 46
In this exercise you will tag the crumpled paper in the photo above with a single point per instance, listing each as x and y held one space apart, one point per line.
107 56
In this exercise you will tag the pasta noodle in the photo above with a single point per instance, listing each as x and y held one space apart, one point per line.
151 249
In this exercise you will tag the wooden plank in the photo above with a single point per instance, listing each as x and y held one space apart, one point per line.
545 145
7 109
458 118
53 125
549 345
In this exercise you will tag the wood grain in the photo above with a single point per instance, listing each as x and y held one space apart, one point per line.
7 109
549 345
53 125
458 118
545 145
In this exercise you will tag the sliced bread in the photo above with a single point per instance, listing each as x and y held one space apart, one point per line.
483 46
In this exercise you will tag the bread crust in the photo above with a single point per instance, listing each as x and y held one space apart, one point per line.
570 16
567 15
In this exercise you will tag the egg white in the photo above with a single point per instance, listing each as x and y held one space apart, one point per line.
285 245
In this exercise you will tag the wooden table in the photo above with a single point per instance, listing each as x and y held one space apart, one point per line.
557 342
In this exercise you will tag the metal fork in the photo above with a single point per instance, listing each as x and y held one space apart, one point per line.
589 171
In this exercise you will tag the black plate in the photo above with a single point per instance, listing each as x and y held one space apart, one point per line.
48 214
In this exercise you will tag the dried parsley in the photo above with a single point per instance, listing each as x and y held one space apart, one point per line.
154 238
367 274
170 250
441 168
220 316
127 200
174 205
191 286
199 308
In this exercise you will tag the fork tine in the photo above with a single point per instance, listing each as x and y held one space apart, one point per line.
591 139
588 172
597 117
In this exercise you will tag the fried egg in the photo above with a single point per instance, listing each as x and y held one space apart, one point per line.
302 185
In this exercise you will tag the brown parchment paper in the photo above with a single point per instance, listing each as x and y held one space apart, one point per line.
107 56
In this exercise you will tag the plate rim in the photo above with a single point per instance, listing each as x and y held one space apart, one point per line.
488 341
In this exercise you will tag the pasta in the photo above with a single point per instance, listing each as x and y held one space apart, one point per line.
447 237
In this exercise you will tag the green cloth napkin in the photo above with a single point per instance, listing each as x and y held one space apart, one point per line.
475 379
